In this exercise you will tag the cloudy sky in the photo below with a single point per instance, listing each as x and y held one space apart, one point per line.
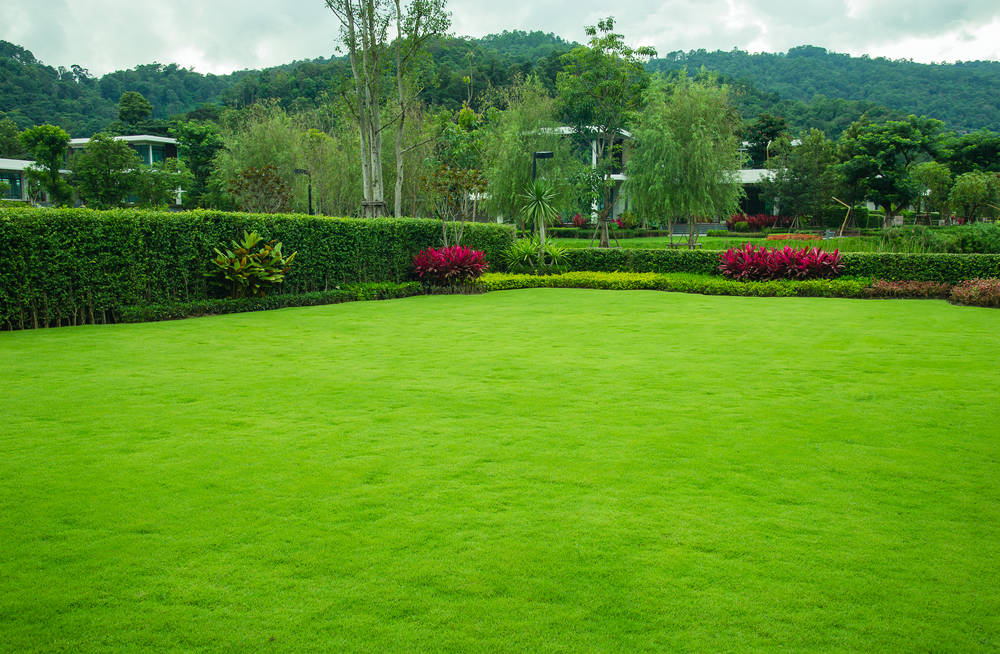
220 36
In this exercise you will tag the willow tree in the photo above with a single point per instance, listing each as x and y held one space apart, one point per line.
685 153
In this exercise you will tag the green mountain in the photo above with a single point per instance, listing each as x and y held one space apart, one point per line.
961 94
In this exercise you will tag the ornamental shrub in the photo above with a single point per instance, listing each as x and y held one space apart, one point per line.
455 264
977 292
882 288
748 263
250 271
756 222
529 256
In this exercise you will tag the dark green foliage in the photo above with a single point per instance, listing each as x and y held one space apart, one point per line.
71 266
133 108
104 174
978 238
530 256
892 266
962 94
175 311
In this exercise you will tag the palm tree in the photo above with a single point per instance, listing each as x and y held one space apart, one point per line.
538 197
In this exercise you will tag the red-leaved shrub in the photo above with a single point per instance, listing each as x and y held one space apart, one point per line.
451 265
884 288
748 263
759 221
579 220
977 292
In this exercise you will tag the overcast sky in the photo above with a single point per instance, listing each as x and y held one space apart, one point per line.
220 36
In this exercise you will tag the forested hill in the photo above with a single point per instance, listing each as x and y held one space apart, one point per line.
808 86
964 94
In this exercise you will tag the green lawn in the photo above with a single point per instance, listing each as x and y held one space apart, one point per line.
536 470
846 244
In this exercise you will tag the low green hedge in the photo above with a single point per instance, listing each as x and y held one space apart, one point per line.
949 268
178 310
679 282
73 266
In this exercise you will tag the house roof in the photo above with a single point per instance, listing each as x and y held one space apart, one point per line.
754 175
139 138
14 164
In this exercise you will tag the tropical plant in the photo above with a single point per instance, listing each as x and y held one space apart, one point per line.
538 197
748 263
445 266
250 272
529 256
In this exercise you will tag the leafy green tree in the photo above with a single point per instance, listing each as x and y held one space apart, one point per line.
974 151
805 178
877 158
761 135
158 185
105 172
133 108
48 145
686 154
10 143
974 192
933 181
600 91
521 121
197 144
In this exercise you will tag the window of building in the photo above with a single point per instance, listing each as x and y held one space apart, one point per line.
14 181
158 153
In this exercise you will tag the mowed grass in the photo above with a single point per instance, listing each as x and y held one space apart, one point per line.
845 244
535 470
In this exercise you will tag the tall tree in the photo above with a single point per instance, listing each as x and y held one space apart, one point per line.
974 192
804 179
197 144
105 172
421 21
48 145
10 145
877 158
933 181
760 135
364 28
600 91
686 154
133 108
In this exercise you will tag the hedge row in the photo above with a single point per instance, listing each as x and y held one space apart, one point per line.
949 268
175 311
72 266
678 282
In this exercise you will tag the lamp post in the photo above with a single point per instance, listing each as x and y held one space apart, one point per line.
303 171
535 156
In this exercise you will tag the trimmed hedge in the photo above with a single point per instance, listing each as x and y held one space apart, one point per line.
680 283
73 266
374 291
949 268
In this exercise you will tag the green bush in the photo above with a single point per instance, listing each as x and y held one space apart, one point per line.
678 282
248 272
178 310
72 266
741 226
528 256
948 268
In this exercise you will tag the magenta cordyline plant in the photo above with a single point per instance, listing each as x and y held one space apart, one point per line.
449 265
748 263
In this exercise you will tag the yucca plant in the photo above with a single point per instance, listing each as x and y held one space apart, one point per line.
529 256
250 273
539 205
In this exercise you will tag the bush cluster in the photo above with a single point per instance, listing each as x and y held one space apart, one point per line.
678 282
977 292
748 263
756 222
882 288
446 266
72 266
949 268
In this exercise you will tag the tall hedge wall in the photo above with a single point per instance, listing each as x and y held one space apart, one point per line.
949 268
70 266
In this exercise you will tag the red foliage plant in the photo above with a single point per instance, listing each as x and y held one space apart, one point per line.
748 263
977 292
450 265
759 221
908 289
579 220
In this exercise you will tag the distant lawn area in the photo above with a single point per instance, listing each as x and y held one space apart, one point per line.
535 470
846 244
